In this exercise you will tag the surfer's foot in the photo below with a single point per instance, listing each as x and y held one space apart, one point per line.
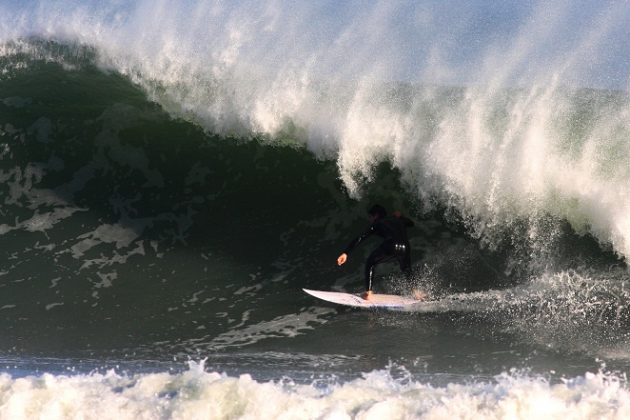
367 295
418 294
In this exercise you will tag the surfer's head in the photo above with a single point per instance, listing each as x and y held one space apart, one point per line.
377 212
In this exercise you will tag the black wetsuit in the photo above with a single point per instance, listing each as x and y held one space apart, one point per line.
395 245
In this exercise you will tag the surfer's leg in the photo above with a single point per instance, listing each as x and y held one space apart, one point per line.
370 265
377 256
369 275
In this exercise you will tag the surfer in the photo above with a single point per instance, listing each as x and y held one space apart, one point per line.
395 245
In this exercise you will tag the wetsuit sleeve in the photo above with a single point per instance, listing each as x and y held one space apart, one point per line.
359 239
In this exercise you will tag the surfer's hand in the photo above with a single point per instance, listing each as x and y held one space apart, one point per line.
397 214
367 295
342 259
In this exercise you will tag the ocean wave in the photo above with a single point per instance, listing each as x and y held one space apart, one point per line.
520 140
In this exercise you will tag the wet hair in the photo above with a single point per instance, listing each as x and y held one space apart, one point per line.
377 210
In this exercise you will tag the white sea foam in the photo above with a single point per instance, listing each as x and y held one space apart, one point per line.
290 325
196 394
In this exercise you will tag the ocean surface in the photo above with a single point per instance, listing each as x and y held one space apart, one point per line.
173 174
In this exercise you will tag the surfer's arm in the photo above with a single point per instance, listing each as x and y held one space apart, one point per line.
356 241
344 255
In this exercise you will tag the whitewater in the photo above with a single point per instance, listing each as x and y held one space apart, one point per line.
197 394
172 176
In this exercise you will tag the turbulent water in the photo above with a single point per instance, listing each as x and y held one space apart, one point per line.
172 176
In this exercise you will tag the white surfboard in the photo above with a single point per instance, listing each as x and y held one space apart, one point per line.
376 300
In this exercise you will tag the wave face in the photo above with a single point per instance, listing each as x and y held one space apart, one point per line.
172 176
112 207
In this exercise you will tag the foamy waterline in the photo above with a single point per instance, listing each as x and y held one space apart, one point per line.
200 394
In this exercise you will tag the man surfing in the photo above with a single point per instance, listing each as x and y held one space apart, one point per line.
395 245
